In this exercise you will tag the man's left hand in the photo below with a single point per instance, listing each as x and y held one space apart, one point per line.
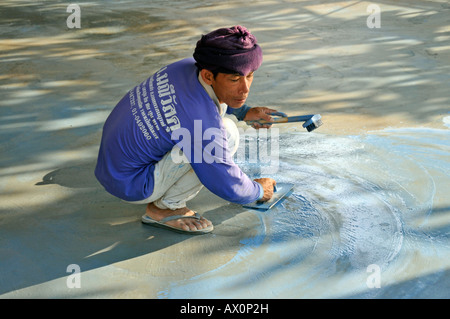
259 113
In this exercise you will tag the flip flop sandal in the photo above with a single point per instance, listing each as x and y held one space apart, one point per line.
162 224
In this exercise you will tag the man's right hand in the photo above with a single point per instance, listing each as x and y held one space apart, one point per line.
268 185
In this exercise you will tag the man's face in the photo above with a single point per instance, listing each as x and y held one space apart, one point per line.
231 89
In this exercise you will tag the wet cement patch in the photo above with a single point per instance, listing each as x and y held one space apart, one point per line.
361 204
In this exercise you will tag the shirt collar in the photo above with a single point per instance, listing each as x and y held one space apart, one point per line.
208 88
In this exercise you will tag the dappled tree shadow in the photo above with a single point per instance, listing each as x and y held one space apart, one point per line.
59 85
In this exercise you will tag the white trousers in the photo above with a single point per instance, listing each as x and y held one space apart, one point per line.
175 182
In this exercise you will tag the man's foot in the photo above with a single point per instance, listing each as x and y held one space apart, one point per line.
184 224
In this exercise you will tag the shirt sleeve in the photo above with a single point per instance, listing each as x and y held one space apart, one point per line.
218 172
261 192
213 164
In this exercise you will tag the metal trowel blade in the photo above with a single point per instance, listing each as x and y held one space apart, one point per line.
283 190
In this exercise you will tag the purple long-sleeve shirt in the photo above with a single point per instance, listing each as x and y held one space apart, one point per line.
169 108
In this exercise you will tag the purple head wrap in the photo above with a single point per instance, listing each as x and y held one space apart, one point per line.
231 49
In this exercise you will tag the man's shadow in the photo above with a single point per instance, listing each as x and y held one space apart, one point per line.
81 224
88 227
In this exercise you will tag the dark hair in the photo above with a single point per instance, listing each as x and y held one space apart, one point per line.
216 70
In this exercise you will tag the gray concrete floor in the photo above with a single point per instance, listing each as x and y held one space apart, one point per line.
58 85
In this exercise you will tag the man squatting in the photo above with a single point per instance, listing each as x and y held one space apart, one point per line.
139 155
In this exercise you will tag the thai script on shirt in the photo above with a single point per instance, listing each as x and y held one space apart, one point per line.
146 110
